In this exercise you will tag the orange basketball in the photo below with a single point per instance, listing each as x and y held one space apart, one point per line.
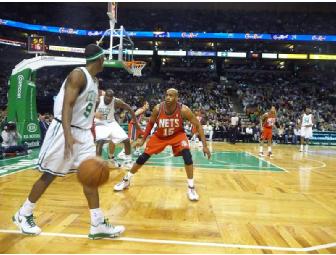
93 172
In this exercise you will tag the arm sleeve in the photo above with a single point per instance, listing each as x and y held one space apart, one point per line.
148 129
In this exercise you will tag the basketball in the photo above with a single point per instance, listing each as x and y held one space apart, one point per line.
93 172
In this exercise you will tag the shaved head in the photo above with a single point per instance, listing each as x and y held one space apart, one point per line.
109 92
172 90
171 96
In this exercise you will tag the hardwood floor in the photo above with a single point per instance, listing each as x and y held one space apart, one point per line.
238 212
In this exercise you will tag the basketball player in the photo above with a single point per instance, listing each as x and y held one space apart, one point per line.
169 116
307 121
267 122
108 129
111 144
68 142
133 133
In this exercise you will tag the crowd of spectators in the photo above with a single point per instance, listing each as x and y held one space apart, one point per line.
290 95
255 92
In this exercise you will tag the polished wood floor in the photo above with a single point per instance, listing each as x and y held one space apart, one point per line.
238 211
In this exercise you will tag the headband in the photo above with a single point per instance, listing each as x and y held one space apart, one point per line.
96 55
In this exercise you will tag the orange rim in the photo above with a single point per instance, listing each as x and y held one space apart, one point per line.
135 64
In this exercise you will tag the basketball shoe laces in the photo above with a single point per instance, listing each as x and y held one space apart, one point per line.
107 223
30 220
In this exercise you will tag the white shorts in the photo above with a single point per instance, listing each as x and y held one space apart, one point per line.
110 131
51 157
306 132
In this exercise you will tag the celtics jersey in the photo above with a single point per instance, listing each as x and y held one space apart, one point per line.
107 110
83 110
306 120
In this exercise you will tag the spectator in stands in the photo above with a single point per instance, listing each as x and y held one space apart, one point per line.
10 139
280 134
249 134
208 130
43 126
296 135
218 132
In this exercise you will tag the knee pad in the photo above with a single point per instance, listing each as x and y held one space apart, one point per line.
142 159
187 157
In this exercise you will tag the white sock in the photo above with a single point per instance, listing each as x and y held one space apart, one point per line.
97 216
260 149
190 183
128 176
301 148
269 149
306 147
27 208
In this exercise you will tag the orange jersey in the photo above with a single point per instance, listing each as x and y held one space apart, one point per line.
269 120
133 133
169 125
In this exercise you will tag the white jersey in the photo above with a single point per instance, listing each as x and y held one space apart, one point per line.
83 110
107 110
307 119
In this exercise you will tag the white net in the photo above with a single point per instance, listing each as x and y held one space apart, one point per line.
136 67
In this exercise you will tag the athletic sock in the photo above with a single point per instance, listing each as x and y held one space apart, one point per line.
190 183
128 176
97 216
27 208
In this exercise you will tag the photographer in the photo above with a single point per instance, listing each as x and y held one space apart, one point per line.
10 140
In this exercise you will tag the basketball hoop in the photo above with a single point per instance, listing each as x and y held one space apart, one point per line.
135 67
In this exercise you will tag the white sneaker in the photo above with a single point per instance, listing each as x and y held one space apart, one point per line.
105 230
115 163
261 154
137 153
270 154
192 194
122 155
128 164
26 224
124 184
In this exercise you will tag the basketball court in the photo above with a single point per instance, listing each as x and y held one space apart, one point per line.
247 205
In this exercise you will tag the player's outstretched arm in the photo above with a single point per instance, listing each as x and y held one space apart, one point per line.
121 104
149 126
189 115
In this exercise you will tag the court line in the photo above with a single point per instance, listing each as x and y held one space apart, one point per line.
224 164
224 167
257 159
16 157
312 167
18 171
269 162
176 242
